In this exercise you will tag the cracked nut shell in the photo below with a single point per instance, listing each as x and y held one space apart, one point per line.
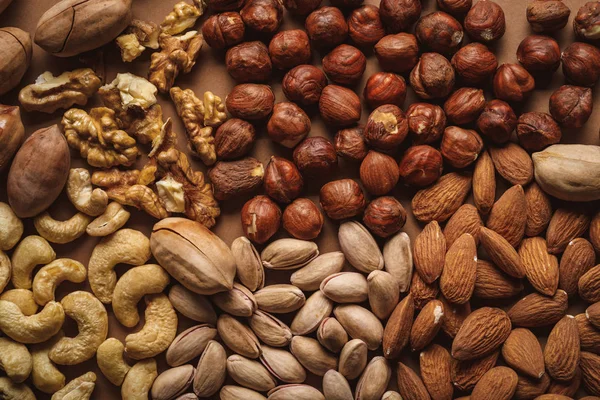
234 139
460 147
386 127
289 49
439 32
586 23
304 84
537 130
315 156
342 199
261 219
350 144
339 106
571 106
426 122
421 166
345 65
223 30
384 216
283 181
497 121
485 22
249 62
538 53
250 101
288 125
302 219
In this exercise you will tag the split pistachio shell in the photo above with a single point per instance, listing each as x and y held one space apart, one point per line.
359 247
374 380
336 387
238 301
270 330
192 305
308 318
295 392
397 255
250 373
279 299
250 270
312 355
309 277
211 370
345 287
238 337
353 359
172 382
189 344
360 323
230 392
285 254
282 365
331 334
384 293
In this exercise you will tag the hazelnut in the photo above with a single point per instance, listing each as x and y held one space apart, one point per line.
379 173
303 84
464 105
587 22
326 27
426 122
538 53
537 130
384 216
397 53
302 219
250 101
290 48
581 64
439 32
460 147
249 62
345 65
455 7
365 26
339 106
547 15
342 199
432 77
474 64
346 3
399 15
225 5
385 88
350 143
421 165
497 121
288 125
315 156
261 219
301 7
485 22
386 127
283 181
234 139
571 106
513 83
223 30
263 16
235 178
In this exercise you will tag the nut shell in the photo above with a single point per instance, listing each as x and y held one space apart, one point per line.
474 64
15 53
426 122
537 130
12 132
464 105
235 178
301 7
302 219
342 199
397 53
289 49
345 65
304 84
586 23
315 156
386 127
455 7
339 106
460 147
288 125
262 16
234 139
350 143
485 22
283 181
384 216
539 54
421 166
432 77
547 15
385 88
249 62
581 64
399 15
250 101
497 121
440 32
223 30
379 173
261 219
571 106
326 27
512 82
365 26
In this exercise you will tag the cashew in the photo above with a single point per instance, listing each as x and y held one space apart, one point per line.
22 298
80 388
158 331
133 285
125 246
92 323
61 232
89 201
113 219
32 251
11 227
35 328
110 361
14 391
15 359
45 376
51 275
5 269
139 380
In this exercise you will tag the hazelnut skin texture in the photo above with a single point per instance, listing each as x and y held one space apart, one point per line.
301 7
385 88
350 144
497 121
384 216
346 3
439 32
236 178
283 182
512 82
571 106
304 84
581 64
223 30
546 16
234 139
421 166
379 173
386 127
537 130
345 65
225 5
289 49
249 62
538 53
455 7
250 101
475 64
315 156
326 27
262 16
365 26
587 22
261 219
464 105
460 147
288 125
339 106
426 122
485 22
432 77
342 199
397 53
399 15
302 219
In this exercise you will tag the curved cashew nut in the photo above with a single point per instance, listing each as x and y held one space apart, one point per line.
22 298
11 227
92 323
61 232
14 391
89 201
111 362
125 246
45 376
32 251
35 328
5 270
113 219
132 286
158 332
51 275
139 380
15 359
80 388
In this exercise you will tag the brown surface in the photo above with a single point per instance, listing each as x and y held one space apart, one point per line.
210 74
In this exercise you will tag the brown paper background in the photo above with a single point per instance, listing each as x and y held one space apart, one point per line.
210 74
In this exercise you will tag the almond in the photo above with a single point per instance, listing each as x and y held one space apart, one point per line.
529 388
508 216
593 314
595 231
577 259
539 210
502 253
554 397
566 388
454 316
565 225
589 336
465 220
397 330
523 352
429 249
499 383
426 325
492 283
422 292
460 270
561 353
484 183
589 285
410 386
541 268
435 363
590 372
466 374
439 201
483 331
536 310
513 163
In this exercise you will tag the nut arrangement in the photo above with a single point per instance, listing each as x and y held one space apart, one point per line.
474 293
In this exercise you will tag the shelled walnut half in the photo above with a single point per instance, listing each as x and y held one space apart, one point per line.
136 38
183 16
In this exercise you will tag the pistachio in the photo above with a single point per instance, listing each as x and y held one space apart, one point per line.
230 392
331 334
353 359
397 254
211 370
285 254
279 299
189 344
238 301
312 355
360 323
345 287
359 247
309 277
238 337
282 365
295 392
172 382
384 293
194 306
391 395
15 49
336 387
270 330
250 373
250 270
374 380
308 318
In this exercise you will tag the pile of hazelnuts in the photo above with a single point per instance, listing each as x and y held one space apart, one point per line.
447 129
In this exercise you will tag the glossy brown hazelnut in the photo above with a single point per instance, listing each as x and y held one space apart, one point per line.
223 30
439 32
455 7
342 199
326 27
289 49
288 125
464 105
350 144
234 139
397 53
379 173
263 16
537 130
581 64
421 166
345 65
485 22
249 62
315 156
303 84
346 3
497 121
546 16
512 82
538 53
261 219
283 181
426 122
587 22
385 88
250 101
571 106
399 15
225 5
386 127
339 106
460 147
302 219
384 216
365 26
301 7
432 77
475 64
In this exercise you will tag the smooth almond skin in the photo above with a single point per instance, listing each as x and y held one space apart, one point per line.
435 363
482 333
578 258
498 383
539 210
397 330
590 370
454 316
410 386
466 374
312 355
484 183
360 323
359 247
346 287
12 132
384 293
238 337
15 52
512 163
211 370
508 216
336 387
280 298
465 220
589 285
353 359
565 225
282 365
250 373
502 253
310 276
238 301
561 353
460 270
295 392
492 283
589 336
523 352
429 250
541 268
250 270
332 335
398 259
269 329
426 325
231 392
439 201
536 310
374 380
315 310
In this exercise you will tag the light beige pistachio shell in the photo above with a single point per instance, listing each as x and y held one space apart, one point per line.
110 361
238 337
80 388
15 359
384 293
172 382
353 359
238 301
231 392
286 254
397 255
312 355
359 247
269 329
308 318
280 298
250 373
282 365
211 370
22 298
336 387
250 270
331 334
391 395
309 277
44 375
360 323
295 392
187 396
374 380
189 344
345 287
50 276
35 328
192 305
139 380
11 226
10 390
